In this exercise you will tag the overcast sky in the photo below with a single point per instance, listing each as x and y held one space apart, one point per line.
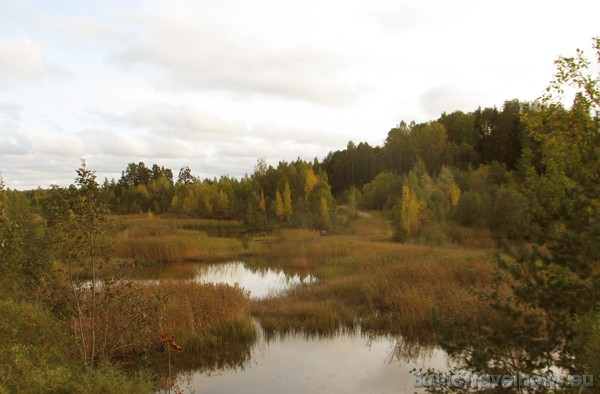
218 84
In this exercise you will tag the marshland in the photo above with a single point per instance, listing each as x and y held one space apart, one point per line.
229 296
468 243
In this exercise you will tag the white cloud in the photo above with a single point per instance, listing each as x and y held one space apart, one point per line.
21 58
10 147
297 135
449 98
182 121
10 116
107 142
87 28
216 84
51 142
206 46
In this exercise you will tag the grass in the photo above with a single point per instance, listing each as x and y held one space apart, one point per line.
158 240
298 249
131 317
365 279
37 357
204 316
212 323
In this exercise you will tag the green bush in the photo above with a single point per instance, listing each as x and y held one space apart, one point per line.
587 343
434 234
36 358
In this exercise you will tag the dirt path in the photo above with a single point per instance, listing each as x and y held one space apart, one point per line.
361 214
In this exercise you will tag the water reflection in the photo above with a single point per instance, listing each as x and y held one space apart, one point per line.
348 362
229 356
259 283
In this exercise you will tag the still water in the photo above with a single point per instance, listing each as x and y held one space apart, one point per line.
347 362
344 363
259 283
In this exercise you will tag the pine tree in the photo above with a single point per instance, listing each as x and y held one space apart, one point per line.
549 318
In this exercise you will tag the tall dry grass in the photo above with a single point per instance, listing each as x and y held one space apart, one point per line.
371 225
363 277
130 317
409 288
205 316
301 249
177 248
173 240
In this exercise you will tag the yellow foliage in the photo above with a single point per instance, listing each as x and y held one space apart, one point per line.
279 208
324 211
287 201
454 194
223 203
410 212
310 183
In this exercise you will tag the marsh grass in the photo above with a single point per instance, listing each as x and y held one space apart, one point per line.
160 240
363 278
216 228
301 310
411 289
371 225
177 248
205 316
131 317
301 249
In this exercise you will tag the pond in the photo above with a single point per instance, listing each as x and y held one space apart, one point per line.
259 283
344 363
347 362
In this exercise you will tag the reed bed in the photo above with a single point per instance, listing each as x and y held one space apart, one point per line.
173 240
407 288
363 277
177 248
205 316
175 222
301 249
130 318
371 225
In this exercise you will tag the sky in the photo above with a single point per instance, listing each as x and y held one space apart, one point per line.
216 85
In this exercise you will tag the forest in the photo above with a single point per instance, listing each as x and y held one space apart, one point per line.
435 180
520 183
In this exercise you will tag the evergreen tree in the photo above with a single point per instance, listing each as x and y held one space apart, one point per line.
554 283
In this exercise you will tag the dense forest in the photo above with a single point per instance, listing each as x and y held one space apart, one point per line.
435 180
523 177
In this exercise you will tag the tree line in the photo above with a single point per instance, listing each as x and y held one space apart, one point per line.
434 180
295 194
